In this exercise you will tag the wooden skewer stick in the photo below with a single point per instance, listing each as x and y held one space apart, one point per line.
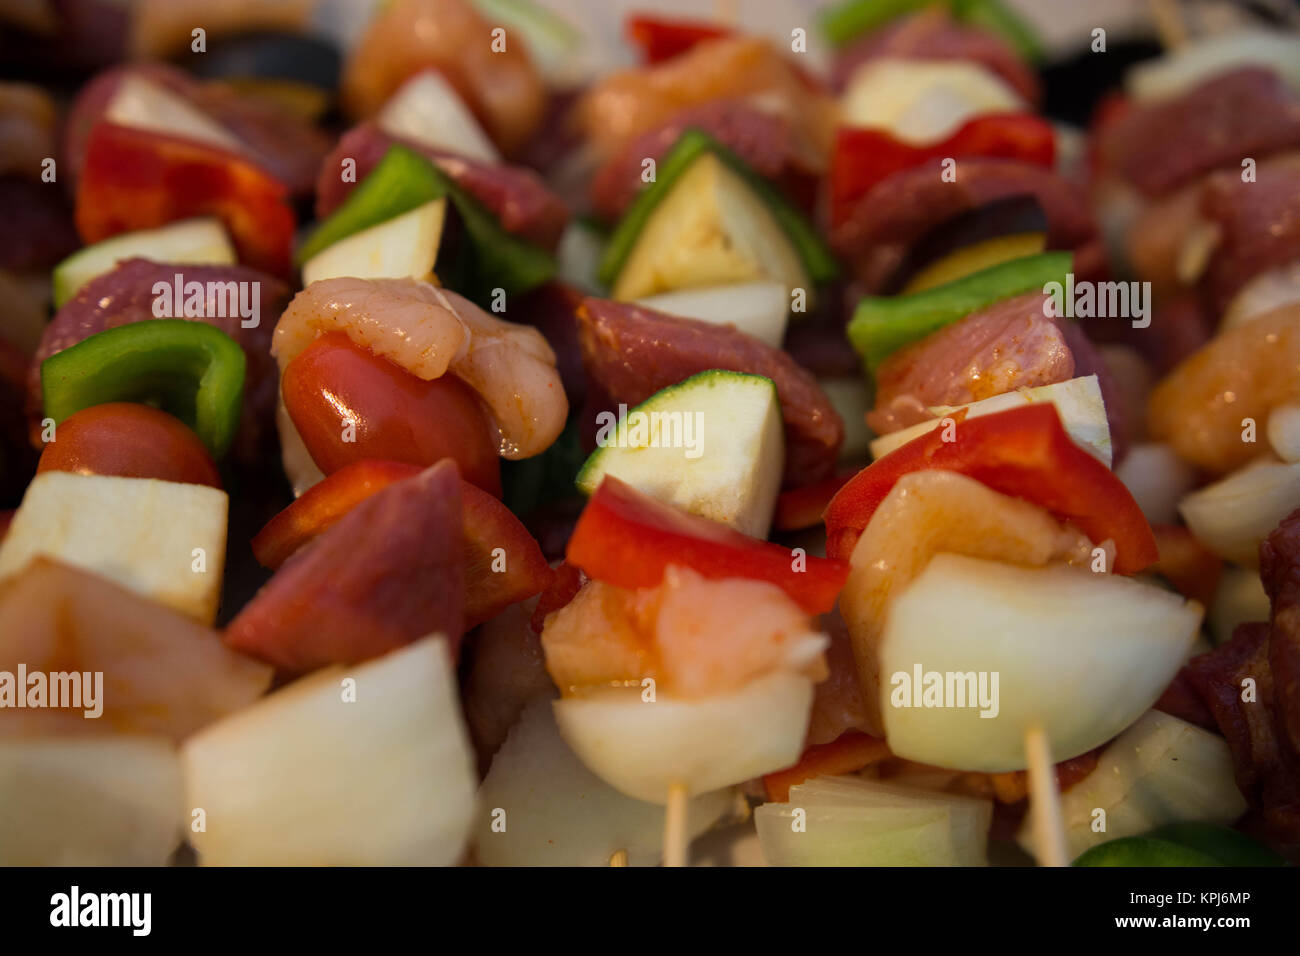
675 839
1044 801
1169 23
618 858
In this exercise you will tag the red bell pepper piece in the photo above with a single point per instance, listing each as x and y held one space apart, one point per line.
135 179
847 753
863 158
662 38
488 525
628 539
803 507
1024 452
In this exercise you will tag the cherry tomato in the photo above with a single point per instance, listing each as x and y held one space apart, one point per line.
334 384
131 441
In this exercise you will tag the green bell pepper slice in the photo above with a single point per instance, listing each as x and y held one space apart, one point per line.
881 325
692 144
1182 844
1230 847
846 21
1143 851
403 180
189 369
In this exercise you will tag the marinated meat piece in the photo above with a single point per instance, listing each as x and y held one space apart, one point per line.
632 352
883 224
1183 700
1259 224
126 295
1164 145
1279 569
1263 729
290 147
1012 344
518 198
391 571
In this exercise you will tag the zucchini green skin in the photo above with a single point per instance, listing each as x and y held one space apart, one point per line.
692 144
881 325
403 180
592 470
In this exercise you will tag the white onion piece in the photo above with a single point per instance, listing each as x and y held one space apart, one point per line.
308 776
103 801
143 104
1232 516
643 748
427 110
1158 479
760 309
849 821
1284 432
924 101
553 811
1161 770
1078 653
1239 599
